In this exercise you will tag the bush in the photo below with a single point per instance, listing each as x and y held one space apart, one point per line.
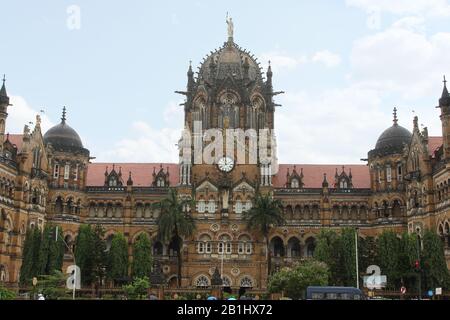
6 294
137 290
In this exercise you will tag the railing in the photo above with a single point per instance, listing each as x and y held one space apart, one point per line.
8 162
105 189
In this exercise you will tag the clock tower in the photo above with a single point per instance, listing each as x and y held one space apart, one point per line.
227 150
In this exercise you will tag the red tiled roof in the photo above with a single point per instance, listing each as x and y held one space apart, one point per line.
15 139
141 173
433 144
313 174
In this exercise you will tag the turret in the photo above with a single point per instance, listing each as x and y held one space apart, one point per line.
444 105
4 103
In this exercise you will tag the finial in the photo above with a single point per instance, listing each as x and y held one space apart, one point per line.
445 81
395 116
63 118
4 78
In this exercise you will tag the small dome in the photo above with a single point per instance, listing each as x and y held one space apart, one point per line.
394 137
62 137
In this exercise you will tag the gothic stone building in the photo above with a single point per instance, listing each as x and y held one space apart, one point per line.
49 179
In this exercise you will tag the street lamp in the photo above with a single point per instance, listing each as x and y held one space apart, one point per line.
74 262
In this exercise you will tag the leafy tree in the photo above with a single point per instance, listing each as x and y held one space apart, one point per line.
117 267
174 223
30 261
142 258
294 281
265 213
6 294
52 285
84 253
407 258
388 257
99 254
348 256
51 251
328 251
138 289
434 266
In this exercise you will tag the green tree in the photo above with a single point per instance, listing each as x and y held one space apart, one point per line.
6 294
118 258
30 261
293 282
137 289
407 257
84 249
265 214
388 257
51 251
52 285
99 254
328 251
175 222
348 256
142 257
433 263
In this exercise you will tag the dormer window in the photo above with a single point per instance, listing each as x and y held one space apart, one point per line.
113 182
295 184
160 182
343 184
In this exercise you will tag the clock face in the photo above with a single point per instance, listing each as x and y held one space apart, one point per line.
225 164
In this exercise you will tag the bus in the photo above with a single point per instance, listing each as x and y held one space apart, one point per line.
334 293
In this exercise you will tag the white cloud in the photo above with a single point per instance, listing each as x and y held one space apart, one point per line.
404 7
326 57
21 114
338 126
401 60
280 61
146 143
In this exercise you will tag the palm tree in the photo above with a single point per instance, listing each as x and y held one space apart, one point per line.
174 222
265 214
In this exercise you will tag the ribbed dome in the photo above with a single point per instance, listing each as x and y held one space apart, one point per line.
394 137
230 60
63 137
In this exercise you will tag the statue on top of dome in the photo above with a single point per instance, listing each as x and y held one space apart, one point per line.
230 26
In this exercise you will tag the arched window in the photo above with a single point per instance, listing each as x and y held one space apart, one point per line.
108 242
277 247
157 248
204 244
211 208
139 210
244 245
202 282
201 206
224 245
58 205
246 282
310 247
294 247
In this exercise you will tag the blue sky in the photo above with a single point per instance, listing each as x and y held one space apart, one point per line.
343 64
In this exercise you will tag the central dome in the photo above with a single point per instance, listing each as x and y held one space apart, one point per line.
62 137
230 61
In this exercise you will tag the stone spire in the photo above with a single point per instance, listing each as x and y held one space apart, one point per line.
4 99
63 117
445 97
395 117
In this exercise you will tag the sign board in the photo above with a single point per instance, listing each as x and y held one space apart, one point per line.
375 280
403 290
74 278
35 280
438 291
430 293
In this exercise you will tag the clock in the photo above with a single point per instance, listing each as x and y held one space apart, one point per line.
225 164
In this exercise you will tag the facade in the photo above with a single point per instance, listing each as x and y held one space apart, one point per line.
50 179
